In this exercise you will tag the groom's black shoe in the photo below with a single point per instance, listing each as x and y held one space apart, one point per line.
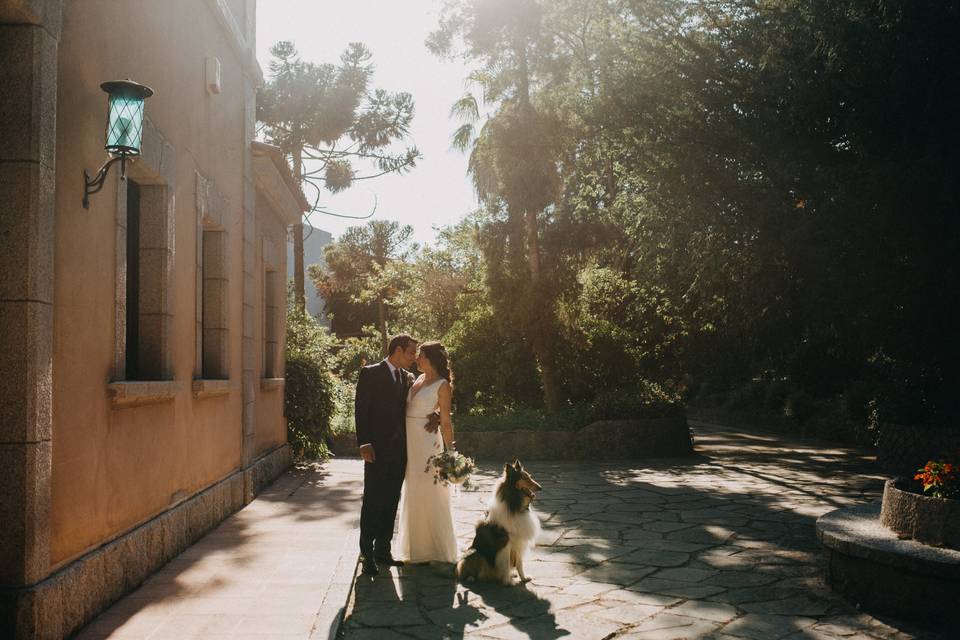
388 561
370 567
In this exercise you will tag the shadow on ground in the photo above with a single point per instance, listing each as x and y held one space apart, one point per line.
265 567
718 544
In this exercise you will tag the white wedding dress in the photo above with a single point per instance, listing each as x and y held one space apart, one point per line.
426 531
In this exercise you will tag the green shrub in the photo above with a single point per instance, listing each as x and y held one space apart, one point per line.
516 420
305 446
343 420
775 396
748 396
494 370
856 400
310 388
644 400
800 405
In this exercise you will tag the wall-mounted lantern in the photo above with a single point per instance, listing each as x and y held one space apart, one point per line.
124 130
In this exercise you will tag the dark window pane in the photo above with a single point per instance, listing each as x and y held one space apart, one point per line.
133 281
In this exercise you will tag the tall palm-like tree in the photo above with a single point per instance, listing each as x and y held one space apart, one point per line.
513 149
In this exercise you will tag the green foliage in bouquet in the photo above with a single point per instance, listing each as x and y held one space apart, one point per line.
451 467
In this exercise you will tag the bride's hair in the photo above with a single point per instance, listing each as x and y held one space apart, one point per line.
437 356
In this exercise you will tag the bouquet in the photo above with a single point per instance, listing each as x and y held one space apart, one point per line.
450 467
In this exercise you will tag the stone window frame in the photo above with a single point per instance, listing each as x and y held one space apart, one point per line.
272 300
212 209
155 172
213 316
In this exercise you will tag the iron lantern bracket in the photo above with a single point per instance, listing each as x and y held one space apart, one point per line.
94 185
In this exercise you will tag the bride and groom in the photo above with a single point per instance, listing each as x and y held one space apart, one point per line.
397 431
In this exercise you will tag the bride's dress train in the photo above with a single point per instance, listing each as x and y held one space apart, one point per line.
426 530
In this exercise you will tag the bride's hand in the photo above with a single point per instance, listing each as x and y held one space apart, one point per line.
433 423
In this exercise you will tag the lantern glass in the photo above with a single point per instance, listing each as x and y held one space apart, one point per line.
125 117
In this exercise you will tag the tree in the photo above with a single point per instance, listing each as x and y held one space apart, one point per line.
722 189
367 265
513 153
325 117
778 174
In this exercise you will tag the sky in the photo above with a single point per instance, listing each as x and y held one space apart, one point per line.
438 191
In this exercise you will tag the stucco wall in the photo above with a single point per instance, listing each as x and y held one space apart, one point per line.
269 398
115 468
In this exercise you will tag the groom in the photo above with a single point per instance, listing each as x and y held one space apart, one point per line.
380 411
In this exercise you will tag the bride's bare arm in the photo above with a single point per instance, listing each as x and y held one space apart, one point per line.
445 396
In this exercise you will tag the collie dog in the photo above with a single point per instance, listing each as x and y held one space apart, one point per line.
506 533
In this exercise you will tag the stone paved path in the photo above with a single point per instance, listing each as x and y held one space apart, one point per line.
279 568
721 545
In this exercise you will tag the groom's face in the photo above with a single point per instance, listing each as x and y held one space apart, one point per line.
408 355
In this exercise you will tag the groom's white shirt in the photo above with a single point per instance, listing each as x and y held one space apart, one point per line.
393 369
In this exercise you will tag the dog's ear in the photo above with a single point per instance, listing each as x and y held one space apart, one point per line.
518 466
507 469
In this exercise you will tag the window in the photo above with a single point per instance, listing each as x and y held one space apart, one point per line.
271 332
132 346
213 322
146 316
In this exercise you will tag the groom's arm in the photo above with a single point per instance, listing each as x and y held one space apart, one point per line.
361 413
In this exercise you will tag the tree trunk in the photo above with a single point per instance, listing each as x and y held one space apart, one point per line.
542 332
299 290
540 319
382 319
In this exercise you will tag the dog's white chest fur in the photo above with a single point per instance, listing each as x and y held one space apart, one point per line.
523 527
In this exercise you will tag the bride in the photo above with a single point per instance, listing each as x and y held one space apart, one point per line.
426 531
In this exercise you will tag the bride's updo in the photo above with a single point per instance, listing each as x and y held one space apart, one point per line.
437 355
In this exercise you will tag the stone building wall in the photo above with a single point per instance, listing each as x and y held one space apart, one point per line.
111 473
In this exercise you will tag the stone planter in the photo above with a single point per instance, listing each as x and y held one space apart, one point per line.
882 573
928 520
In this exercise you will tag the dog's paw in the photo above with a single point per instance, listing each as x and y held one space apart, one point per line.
525 579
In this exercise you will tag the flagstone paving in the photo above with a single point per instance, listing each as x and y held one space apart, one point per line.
281 567
719 545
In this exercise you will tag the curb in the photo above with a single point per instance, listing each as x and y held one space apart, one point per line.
337 597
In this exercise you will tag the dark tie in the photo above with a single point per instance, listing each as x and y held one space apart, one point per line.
399 380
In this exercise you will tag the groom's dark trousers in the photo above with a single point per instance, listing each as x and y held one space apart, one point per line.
380 410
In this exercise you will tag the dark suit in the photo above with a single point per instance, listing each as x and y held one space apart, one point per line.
380 410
